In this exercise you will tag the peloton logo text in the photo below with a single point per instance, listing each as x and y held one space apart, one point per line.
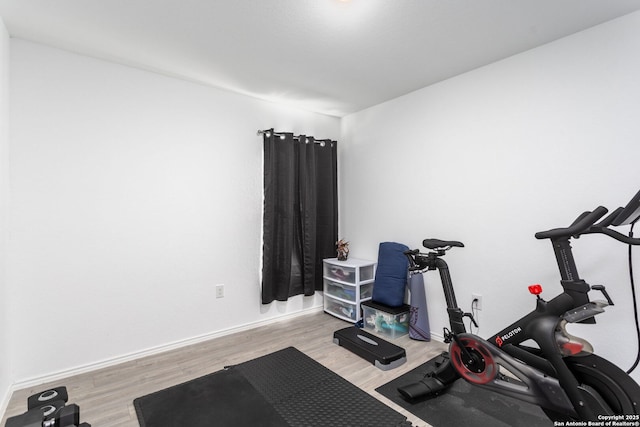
500 340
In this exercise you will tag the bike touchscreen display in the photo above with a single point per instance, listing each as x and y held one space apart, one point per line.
630 213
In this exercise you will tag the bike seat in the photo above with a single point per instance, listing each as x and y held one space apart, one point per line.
437 243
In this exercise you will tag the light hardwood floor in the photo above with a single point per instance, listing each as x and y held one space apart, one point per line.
106 396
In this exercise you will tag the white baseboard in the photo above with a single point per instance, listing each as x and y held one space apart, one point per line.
31 382
4 403
437 337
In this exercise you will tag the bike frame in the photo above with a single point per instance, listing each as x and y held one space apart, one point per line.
544 377
548 382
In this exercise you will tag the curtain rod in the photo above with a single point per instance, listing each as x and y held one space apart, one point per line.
295 137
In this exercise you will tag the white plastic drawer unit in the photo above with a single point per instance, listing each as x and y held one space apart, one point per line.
341 309
349 271
346 285
347 292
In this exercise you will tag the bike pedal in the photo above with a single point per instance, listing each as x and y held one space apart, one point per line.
447 335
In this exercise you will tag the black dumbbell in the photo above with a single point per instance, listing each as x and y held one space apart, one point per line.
49 409
67 416
36 416
51 395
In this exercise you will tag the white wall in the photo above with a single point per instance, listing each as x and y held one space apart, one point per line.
133 195
493 156
5 380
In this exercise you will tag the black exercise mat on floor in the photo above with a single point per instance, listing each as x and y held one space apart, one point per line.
190 404
285 388
465 405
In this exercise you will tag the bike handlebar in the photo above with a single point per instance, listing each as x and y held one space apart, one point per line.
610 218
579 226
614 234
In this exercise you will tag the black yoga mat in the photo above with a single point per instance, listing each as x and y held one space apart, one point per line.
464 404
285 388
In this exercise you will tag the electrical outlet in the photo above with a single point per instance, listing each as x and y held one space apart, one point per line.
220 291
478 301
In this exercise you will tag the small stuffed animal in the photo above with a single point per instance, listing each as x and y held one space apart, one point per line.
343 250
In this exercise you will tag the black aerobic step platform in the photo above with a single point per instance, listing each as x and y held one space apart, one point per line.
381 353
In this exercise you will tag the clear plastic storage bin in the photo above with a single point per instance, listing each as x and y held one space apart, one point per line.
390 322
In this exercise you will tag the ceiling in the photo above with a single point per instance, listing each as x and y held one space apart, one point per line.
329 56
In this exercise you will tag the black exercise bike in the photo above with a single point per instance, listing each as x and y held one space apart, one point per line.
561 374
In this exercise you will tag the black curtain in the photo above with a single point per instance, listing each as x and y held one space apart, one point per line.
300 218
